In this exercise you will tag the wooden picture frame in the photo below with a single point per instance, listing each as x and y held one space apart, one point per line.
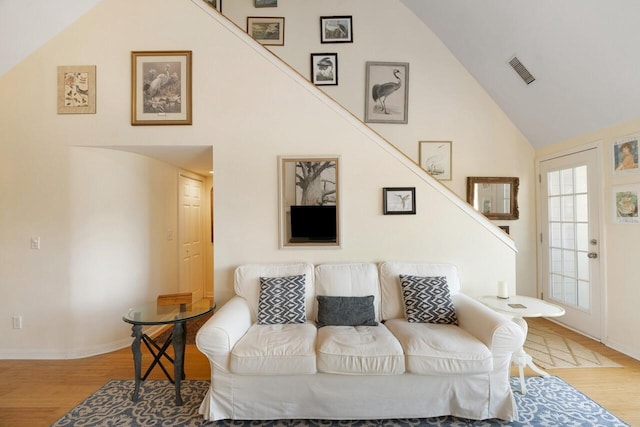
387 92
216 4
77 89
399 200
336 29
324 69
435 158
267 30
265 3
161 87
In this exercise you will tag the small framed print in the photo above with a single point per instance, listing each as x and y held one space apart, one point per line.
216 4
386 92
324 69
161 88
625 204
435 158
399 200
336 29
269 31
77 89
624 155
265 3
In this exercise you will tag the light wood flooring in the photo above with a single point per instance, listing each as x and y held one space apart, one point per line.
38 392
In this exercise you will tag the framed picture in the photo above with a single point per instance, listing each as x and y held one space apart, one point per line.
77 89
265 3
161 88
504 228
624 155
324 69
625 204
399 200
435 158
336 29
267 30
387 92
216 4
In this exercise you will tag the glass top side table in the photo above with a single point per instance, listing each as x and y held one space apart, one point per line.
518 307
176 315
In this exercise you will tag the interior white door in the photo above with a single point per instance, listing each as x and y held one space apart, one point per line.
190 236
569 239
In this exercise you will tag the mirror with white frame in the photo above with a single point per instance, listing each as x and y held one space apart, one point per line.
309 201
494 197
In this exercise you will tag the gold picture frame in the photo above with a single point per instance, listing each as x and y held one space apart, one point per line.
77 89
161 87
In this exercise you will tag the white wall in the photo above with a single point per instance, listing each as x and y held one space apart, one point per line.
619 243
251 110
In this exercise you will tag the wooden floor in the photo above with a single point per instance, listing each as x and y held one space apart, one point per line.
38 392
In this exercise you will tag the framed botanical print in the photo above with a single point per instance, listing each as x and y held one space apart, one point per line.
161 88
77 89
386 92
324 69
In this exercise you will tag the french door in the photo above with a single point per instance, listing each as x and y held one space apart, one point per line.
570 240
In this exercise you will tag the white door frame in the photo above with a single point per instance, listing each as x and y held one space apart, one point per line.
598 146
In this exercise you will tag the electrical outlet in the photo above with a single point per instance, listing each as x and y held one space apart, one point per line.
17 322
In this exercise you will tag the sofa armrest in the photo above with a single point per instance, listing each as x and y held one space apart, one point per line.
217 337
499 333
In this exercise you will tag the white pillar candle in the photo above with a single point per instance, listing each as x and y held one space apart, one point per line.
503 290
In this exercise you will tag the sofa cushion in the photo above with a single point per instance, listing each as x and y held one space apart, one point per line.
435 349
392 303
281 300
427 300
247 282
346 311
370 350
275 350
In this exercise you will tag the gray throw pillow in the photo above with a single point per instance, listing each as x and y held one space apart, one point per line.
346 311
427 300
281 300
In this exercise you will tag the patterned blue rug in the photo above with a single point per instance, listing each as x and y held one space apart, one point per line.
549 402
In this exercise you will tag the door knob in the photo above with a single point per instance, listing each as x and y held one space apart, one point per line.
592 255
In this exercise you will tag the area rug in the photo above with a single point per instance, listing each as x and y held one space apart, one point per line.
551 350
549 402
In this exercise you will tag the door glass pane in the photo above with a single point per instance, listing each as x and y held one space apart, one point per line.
583 295
570 288
582 237
555 230
581 179
553 178
568 236
583 266
566 181
568 208
582 208
554 209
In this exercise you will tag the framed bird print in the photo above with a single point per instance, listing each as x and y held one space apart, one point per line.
77 89
399 200
324 69
387 92
161 88
336 29
435 158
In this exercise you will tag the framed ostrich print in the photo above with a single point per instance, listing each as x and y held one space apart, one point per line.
387 92
324 69
309 201
161 88
336 29
77 89
399 200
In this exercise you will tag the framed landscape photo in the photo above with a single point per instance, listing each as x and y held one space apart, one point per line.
324 69
399 200
435 158
624 155
336 29
77 89
265 3
625 204
267 30
386 92
161 88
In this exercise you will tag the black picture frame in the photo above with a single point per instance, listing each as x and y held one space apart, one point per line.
399 200
324 69
336 29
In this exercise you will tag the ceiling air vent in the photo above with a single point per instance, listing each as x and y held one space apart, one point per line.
521 70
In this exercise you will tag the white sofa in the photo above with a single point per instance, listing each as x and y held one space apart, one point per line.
396 369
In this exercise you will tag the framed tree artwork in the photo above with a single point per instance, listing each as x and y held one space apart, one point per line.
387 92
161 88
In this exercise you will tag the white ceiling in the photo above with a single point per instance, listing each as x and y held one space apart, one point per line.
583 54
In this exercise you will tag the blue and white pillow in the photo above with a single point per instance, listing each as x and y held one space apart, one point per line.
282 300
427 300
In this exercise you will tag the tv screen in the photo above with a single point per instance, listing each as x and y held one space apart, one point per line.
313 223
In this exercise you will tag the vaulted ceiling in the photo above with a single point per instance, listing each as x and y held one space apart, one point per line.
584 54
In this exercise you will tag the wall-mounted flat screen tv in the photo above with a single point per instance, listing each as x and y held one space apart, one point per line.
313 223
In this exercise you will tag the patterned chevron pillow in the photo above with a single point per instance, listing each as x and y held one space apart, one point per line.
427 300
281 300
